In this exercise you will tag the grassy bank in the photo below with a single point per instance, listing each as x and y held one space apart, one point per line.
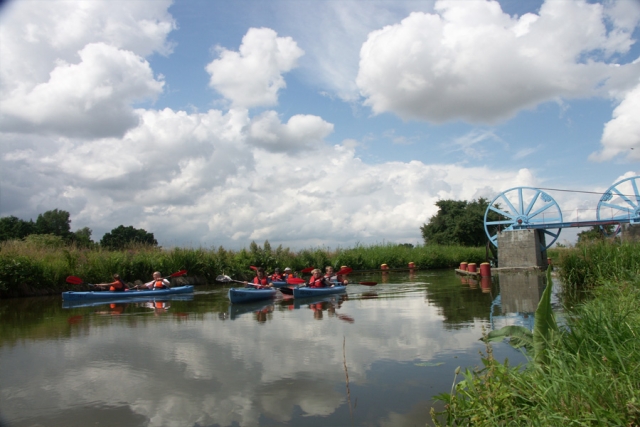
32 268
590 372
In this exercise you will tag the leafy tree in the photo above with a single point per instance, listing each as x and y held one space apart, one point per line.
12 227
595 233
54 222
82 237
121 237
458 223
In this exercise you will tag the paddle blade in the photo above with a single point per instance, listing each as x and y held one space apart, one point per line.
295 281
368 283
74 280
223 278
178 273
344 271
253 268
307 270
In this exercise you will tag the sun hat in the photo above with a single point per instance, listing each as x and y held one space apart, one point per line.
287 269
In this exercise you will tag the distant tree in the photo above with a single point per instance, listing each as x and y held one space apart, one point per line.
458 222
595 233
12 227
121 236
54 222
82 237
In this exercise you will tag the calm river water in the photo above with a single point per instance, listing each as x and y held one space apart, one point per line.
373 357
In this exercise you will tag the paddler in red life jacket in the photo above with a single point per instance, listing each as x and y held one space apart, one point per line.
158 282
116 286
317 280
261 280
288 273
276 276
331 276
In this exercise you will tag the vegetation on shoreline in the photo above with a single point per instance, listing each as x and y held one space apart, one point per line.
591 370
39 264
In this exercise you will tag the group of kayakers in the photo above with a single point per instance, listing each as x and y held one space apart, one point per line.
317 280
118 285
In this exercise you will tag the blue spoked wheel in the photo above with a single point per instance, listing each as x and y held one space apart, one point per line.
522 206
620 202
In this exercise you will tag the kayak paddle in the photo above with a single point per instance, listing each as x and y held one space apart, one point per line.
226 279
75 280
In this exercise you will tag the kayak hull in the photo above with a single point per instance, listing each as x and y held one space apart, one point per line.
241 295
107 295
305 292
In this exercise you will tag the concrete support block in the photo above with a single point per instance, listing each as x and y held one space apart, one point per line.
522 249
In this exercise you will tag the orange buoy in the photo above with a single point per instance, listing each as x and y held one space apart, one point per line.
485 269
471 267
463 266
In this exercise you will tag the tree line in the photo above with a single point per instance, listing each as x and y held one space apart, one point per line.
457 222
56 225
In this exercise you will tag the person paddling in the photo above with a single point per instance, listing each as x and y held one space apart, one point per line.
261 280
331 276
276 276
317 280
116 286
288 273
158 282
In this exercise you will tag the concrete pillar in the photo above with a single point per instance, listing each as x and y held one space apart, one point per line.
521 249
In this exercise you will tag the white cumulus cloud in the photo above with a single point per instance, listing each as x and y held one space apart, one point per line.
252 76
471 61
621 134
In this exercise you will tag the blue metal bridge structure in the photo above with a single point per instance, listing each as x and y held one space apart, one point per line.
522 208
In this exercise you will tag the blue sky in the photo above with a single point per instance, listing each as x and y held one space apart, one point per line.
310 123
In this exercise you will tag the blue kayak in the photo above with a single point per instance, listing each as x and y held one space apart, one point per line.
107 295
240 295
304 292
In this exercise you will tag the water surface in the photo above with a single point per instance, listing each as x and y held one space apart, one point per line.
373 357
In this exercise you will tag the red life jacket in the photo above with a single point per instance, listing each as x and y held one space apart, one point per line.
317 283
159 284
277 277
264 281
117 286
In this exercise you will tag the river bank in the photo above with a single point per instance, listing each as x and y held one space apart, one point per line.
27 269
590 372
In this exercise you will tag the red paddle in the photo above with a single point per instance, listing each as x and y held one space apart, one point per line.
343 271
178 273
253 268
74 280
295 281
307 270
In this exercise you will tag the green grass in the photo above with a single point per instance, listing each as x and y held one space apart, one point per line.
40 267
590 375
